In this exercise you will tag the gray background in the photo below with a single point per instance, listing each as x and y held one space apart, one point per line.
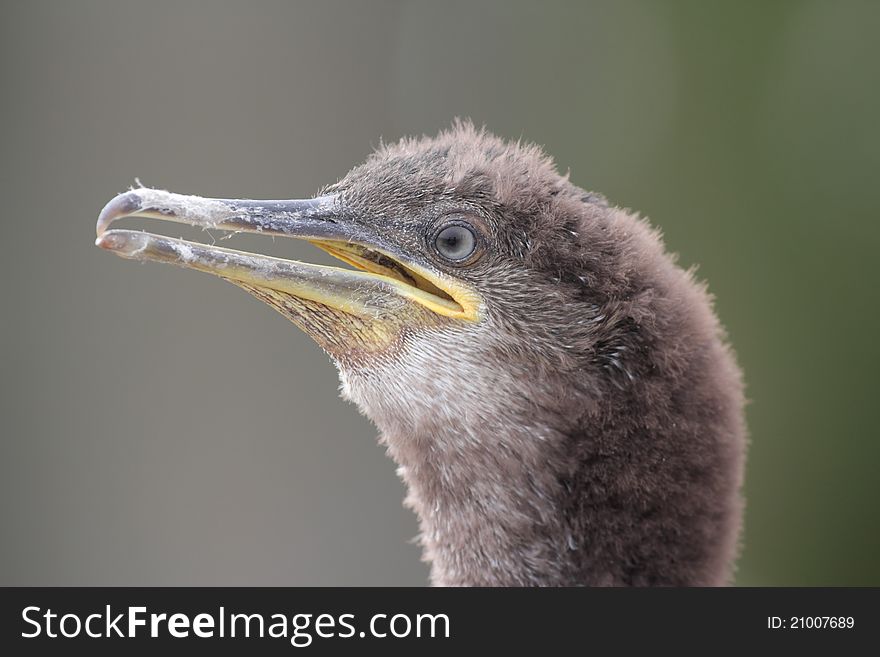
162 427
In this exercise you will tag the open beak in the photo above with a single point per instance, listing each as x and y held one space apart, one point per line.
385 280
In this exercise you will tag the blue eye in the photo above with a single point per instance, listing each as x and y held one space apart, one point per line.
455 242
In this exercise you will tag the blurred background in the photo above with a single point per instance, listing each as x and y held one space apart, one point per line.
162 427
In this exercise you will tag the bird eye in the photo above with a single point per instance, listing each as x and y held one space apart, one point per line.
455 242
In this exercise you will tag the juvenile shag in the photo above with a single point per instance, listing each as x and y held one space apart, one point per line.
558 394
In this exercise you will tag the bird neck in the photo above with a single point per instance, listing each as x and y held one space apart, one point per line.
484 470
489 514
525 473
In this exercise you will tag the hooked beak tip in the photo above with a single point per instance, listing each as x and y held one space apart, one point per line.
122 205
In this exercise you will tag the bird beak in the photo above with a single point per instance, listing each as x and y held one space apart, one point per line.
384 283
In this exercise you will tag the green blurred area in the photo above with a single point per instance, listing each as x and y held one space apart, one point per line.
747 130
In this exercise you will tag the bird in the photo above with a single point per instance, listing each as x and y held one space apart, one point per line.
559 396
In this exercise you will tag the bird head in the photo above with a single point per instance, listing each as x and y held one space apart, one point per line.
461 253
